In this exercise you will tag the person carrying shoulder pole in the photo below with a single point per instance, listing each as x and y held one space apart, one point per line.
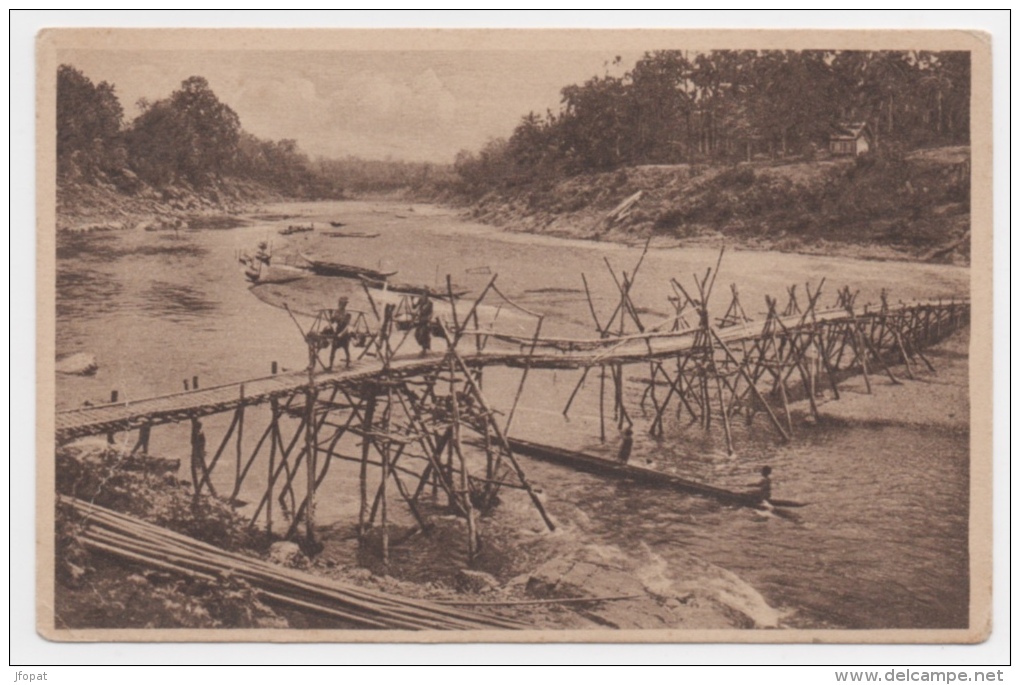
423 327
340 333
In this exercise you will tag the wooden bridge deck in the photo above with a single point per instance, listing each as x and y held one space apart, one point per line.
549 354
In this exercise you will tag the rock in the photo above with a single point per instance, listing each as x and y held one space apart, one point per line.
73 573
360 574
287 554
563 577
80 364
475 581
274 621
518 581
137 579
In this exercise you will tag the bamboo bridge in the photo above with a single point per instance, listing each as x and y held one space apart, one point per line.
421 423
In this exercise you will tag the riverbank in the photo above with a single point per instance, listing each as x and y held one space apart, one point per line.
84 207
913 207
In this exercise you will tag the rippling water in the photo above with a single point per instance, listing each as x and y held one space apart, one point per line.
883 543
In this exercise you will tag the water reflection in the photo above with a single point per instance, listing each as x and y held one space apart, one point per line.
176 301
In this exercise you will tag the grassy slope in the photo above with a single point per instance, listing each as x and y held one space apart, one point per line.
894 206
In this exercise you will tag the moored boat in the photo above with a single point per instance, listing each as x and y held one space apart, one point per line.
349 234
410 289
290 230
260 274
326 268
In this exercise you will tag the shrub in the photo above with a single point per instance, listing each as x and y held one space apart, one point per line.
738 176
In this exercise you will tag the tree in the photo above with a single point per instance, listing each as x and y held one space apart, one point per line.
663 105
720 104
190 136
89 119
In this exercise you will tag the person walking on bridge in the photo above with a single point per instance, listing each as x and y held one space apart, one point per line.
339 331
423 324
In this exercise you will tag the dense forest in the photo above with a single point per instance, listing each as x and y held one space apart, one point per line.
676 106
673 107
192 138
188 137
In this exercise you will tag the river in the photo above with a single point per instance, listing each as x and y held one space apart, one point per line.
883 543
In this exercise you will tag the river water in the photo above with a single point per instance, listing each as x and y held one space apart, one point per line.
883 544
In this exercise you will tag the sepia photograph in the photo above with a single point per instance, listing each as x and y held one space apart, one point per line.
501 336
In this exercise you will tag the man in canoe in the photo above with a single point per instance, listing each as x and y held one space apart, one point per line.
339 331
423 324
627 445
763 488
263 253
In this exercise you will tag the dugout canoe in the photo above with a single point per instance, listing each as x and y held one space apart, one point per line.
349 234
607 467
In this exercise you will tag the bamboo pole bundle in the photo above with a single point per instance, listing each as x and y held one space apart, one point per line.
143 543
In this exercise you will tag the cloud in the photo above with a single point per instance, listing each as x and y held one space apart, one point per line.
379 104
273 107
364 113
407 105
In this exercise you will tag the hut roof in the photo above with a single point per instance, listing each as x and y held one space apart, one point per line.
850 131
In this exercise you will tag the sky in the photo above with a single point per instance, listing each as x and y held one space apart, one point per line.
415 106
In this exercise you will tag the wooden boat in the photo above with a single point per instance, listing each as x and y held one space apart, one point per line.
349 234
290 230
410 289
263 274
337 224
325 268
606 467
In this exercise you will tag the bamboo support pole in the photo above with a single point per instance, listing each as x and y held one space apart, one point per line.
602 403
282 467
240 443
366 444
385 454
300 509
725 417
243 472
504 443
743 371
591 305
570 400
455 446
903 355
524 377
457 331
274 426
878 360
207 468
311 442
197 445
473 311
